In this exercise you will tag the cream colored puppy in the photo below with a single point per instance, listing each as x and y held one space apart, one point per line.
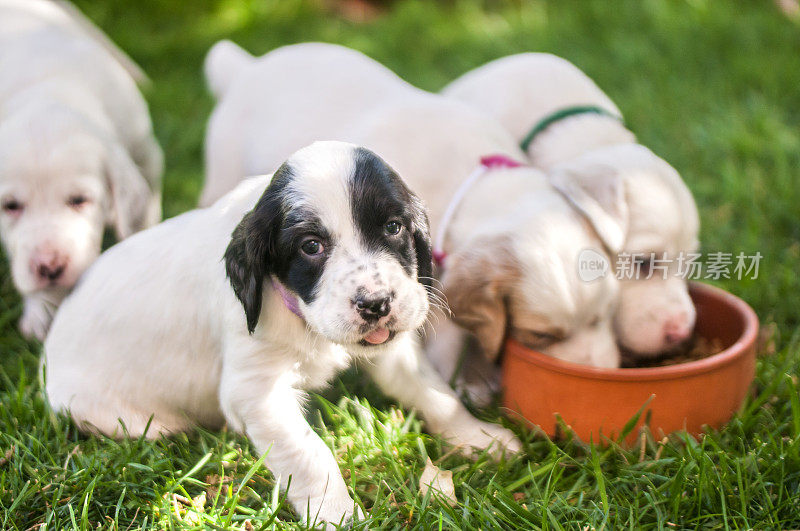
232 313
509 265
77 152
636 202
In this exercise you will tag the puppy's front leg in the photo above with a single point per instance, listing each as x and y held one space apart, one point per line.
450 350
404 372
37 313
269 411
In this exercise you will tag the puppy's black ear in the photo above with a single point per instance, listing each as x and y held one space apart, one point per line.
250 256
245 271
422 243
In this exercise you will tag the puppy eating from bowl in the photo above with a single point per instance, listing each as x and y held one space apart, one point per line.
231 313
635 201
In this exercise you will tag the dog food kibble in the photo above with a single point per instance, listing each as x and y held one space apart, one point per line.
696 349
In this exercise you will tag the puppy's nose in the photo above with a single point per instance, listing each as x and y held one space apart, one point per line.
50 268
676 330
374 306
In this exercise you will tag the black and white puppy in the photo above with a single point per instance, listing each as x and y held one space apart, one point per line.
330 266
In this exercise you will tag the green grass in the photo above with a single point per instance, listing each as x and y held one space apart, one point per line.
714 87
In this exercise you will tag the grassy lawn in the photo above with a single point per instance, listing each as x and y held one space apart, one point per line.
712 86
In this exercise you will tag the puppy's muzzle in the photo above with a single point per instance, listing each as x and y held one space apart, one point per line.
48 267
374 306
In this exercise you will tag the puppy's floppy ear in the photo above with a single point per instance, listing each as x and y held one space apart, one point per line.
249 256
422 242
245 272
130 194
598 192
477 283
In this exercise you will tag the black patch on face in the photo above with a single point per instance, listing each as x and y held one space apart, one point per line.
377 196
295 269
267 242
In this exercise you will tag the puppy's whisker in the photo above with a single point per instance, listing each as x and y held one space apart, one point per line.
441 306
437 290
428 325
436 301
441 302
437 296
429 317
432 279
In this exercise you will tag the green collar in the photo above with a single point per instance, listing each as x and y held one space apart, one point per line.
559 115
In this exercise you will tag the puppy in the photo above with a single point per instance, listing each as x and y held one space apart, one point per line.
507 268
511 270
328 266
77 152
636 202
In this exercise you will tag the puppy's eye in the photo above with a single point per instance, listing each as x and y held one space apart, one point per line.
393 228
77 201
12 206
312 247
536 339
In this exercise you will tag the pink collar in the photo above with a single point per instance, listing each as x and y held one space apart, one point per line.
499 161
289 300
488 162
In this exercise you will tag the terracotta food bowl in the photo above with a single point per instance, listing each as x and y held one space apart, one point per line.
686 396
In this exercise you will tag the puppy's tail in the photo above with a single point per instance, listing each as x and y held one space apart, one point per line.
224 62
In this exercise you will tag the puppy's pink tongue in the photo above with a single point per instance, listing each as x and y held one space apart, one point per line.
377 336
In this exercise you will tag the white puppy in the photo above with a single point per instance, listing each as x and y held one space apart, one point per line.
638 203
509 264
328 266
77 152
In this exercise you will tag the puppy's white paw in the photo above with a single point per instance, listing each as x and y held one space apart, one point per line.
481 435
36 319
332 512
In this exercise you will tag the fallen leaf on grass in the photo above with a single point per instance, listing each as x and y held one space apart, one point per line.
441 481
214 484
199 501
